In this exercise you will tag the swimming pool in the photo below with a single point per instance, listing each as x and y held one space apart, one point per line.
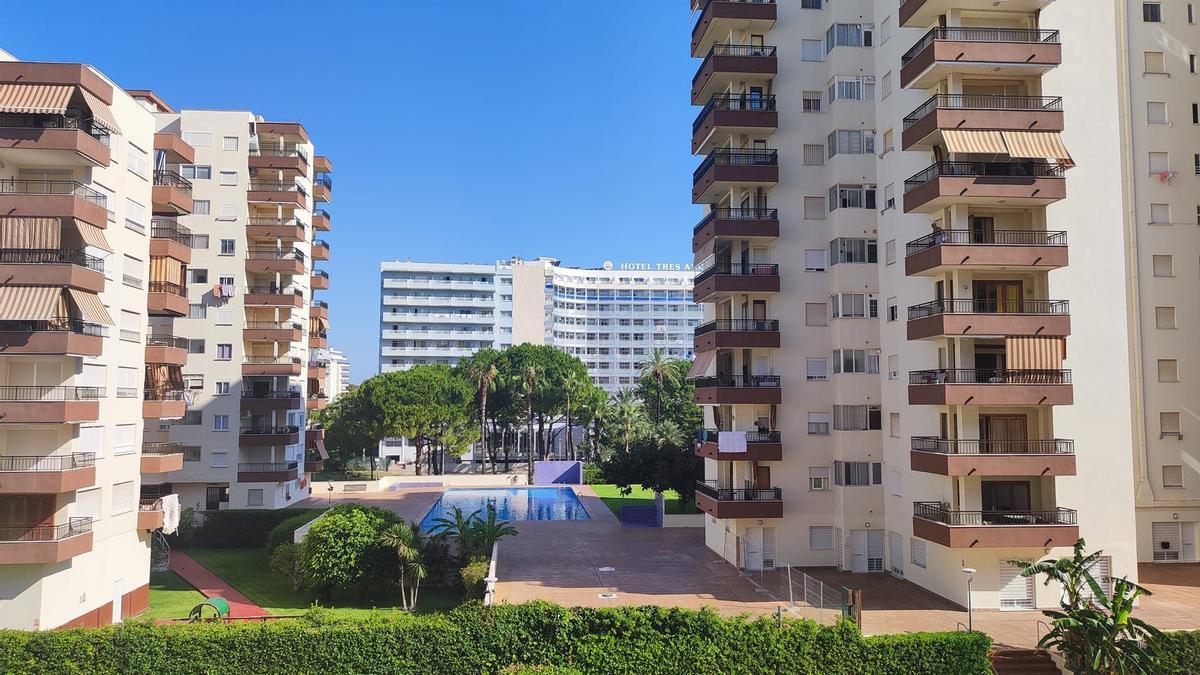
518 503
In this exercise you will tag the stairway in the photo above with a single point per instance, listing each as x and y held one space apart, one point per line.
1007 660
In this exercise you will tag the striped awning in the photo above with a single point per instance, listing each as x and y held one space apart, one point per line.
321 451
38 99
30 233
1037 145
977 142
701 365
90 307
101 114
93 236
28 303
1036 353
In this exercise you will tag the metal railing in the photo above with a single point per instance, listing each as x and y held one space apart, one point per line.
984 102
59 324
318 334
272 289
25 533
320 273
272 361
166 341
169 178
987 238
709 487
168 287
980 35
986 169
75 120
1049 446
724 213
34 394
264 467
701 5
723 49
150 504
162 448
165 228
78 460
291 150
321 304
274 186
747 269
751 381
938 513
736 157
259 220
990 376
320 243
323 179
270 394
273 325
970 306
710 436
274 254
163 394
739 325
24 256
738 102
285 430
20 186
320 213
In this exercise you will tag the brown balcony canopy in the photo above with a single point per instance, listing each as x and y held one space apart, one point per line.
1046 145
31 232
54 99
979 142
29 303
90 308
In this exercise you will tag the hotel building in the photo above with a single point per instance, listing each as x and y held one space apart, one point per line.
337 379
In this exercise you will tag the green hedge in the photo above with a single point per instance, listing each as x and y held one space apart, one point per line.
1179 652
284 532
474 639
241 528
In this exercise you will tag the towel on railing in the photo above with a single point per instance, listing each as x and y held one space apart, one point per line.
731 441
170 505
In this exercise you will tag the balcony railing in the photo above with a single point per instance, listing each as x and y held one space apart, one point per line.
320 242
986 170
166 341
737 157
320 303
323 179
751 381
273 325
272 289
739 325
721 49
274 186
18 186
258 220
274 254
290 150
980 35
22 533
163 394
745 269
938 513
969 306
169 178
78 460
162 448
984 102
1049 446
165 228
749 213
321 273
150 504
739 102
73 119
710 436
272 361
52 256
701 5
60 324
168 287
990 238
32 393
266 467
270 431
709 487
990 376
277 395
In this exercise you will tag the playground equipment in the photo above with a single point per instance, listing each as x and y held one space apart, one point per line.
212 609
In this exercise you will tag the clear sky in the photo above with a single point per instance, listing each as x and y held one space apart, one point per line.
459 130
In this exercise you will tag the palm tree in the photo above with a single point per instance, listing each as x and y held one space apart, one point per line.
1071 573
658 367
485 533
571 385
628 415
457 527
528 383
669 434
602 411
484 376
409 544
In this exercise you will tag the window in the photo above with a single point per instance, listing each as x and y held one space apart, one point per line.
857 474
857 418
811 50
229 212
853 306
889 251
122 497
132 272
885 29
224 317
1191 63
197 275
225 281
131 326
1156 112
220 422
191 453
1164 317
814 155
897 484
810 4
1160 214
135 216
1154 63
1168 425
852 196
127 381
224 352
852 88
193 381
1164 266
1151 12
192 417
820 537
886 83
917 552
91 439
894 425
126 439
229 178
201 207
847 35
818 424
221 388
228 247
1196 113
811 102
137 161
1191 13
192 172
815 314
816 369
818 478
851 142
1172 476
888 146
853 251
1168 370
254 497
814 260
198 312
87 504
893 309
219 460
198 139
814 208
229 142
893 366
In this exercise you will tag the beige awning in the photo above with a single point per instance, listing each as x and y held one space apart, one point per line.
38 99
1037 145
977 142
90 308
321 451
701 365
28 303
93 236
30 233
101 114
1036 353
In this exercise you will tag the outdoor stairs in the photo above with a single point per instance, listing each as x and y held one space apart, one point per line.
1011 661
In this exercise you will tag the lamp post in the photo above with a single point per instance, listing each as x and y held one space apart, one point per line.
970 572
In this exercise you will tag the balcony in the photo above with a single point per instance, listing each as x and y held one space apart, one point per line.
318 339
150 514
320 249
736 334
169 239
275 260
269 436
171 194
322 188
727 168
750 224
161 457
289 157
993 251
728 115
735 389
985 183
319 280
166 298
738 502
321 164
313 463
267 472
312 435
60 335
293 129
922 13
287 193
44 544
176 150
728 64
55 474
319 309
760 447
318 369
282 366
980 112
320 220
166 349
267 401
163 404
990 386
69 137
28 404
53 199
722 279
1025 457
289 229
52 267
316 401
719 17
273 331
273 296
989 318
994 52
934 522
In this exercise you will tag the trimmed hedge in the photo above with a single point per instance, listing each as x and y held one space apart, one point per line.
284 532
474 639
1179 652
241 528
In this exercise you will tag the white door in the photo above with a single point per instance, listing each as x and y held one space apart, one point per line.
896 554
1189 541
1016 591
841 548
858 551
762 365
1167 541
874 550
768 548
752 545
118 593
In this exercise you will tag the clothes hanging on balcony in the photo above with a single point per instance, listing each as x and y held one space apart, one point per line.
170 504
731 441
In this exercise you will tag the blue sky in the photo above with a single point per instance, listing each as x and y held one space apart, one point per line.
459 130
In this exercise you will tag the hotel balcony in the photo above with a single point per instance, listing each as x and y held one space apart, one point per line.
163 404
281 261
320 249
317 401
171 194
289 229
727 65
319 309
990 386
273 331
985 183
319 280
69 137
267 472
922 13
735 389
318 339
738 502
322 189
736 334
169 239
313 463
719 17
54 474
760 447
1026 457
287 158
166 349
161 457
30 404
52 267
723 279
177 151
267 401
53 199
995 52
726 168
317 370
273 296
268 436
166 298
989 318
321 164
44 544
748 224
295 130
150 514
287 193
934 522
728 115
282 366
59 335
995 251
320 220
979 112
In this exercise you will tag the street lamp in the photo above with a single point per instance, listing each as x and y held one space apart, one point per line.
970 572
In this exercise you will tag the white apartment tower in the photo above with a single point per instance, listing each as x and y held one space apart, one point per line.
337 379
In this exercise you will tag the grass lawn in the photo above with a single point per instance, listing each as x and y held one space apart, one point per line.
249 571
611 494
170 597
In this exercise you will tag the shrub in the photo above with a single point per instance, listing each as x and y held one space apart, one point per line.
285 562
284 532
342 550
1177 652
593 474
241 528
473 575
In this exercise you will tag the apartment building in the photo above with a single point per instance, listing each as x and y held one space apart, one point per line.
925 380
337 378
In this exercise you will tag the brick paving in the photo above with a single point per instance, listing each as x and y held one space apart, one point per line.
210 585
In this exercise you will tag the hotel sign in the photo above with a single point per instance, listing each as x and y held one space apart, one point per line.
648 267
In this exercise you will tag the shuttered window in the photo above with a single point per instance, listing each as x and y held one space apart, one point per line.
917 552
820 538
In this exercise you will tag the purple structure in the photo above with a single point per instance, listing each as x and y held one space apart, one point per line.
558 473
641 516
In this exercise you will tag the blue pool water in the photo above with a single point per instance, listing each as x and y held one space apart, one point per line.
518 503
